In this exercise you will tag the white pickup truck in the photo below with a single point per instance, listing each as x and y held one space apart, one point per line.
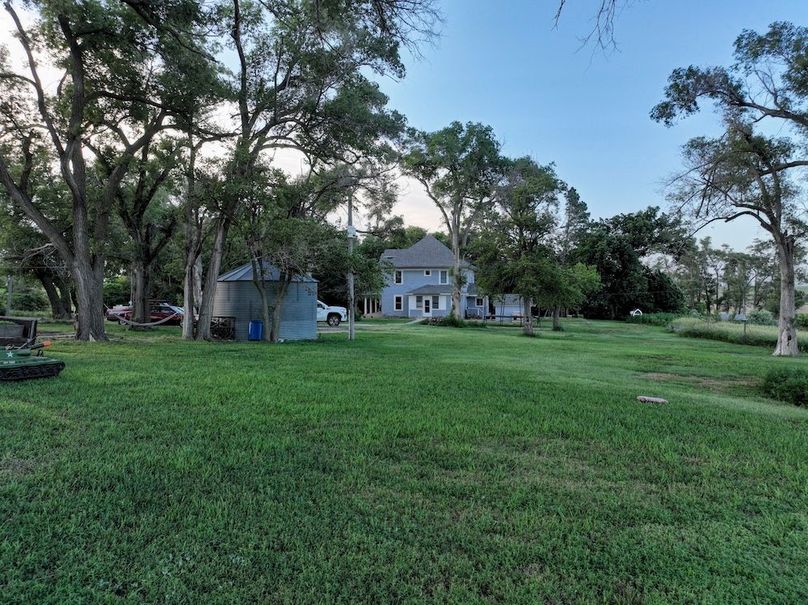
332 315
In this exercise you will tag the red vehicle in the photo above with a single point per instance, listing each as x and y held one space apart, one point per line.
164 312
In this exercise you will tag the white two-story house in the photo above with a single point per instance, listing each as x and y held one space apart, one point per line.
420 283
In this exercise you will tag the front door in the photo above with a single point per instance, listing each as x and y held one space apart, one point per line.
427 306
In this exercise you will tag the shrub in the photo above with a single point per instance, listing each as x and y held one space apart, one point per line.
761 318
117 291
449 321
787 383
802 321
654 319
26 299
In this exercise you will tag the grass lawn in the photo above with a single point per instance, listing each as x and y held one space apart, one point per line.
418 464
728 331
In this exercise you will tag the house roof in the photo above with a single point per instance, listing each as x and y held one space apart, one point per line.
471 289
428 253
245 273
432 289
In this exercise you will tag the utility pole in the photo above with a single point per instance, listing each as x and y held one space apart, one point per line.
351 296
9 293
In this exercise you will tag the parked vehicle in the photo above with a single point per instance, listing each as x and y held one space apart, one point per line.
332 315
163 312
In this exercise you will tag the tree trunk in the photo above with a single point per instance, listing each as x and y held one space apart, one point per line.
90 302
58 310
191 292
140 291
188 300
267 312
557 319
277 310
527 318
65 295
193 261
198 273
787 345
209 291
457 281
260 284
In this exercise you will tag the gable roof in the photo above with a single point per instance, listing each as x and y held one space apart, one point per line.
432 289
245 273
428 253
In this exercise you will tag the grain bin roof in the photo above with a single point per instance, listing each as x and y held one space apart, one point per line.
245 273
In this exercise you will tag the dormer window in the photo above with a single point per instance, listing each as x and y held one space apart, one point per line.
398 277
427 272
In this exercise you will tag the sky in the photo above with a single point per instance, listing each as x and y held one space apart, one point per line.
503 63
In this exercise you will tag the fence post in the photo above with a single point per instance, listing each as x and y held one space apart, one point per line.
9 293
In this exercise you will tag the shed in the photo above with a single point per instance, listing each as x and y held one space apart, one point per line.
237 297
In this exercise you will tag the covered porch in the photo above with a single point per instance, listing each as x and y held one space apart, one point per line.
429 301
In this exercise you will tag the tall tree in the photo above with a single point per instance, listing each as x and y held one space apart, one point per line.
564 285
25 248
737 176
459 167
514 251
617 247
142 204
745 173
573 225
116 78
301 83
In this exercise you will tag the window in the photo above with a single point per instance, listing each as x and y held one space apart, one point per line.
436 302
398 303
398 277
427 272
419 302
479 302
444 277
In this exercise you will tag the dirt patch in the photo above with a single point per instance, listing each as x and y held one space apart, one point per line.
16 467
702 381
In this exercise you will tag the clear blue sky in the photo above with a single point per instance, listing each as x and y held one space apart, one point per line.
501 62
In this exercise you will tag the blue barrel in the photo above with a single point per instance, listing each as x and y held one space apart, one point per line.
255 330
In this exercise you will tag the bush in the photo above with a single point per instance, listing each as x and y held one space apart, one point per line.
654 319
802 321
450 321
787 383
31 299
117 291
761 318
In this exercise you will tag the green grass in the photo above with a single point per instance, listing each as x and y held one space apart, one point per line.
417 464
762 336
384 320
